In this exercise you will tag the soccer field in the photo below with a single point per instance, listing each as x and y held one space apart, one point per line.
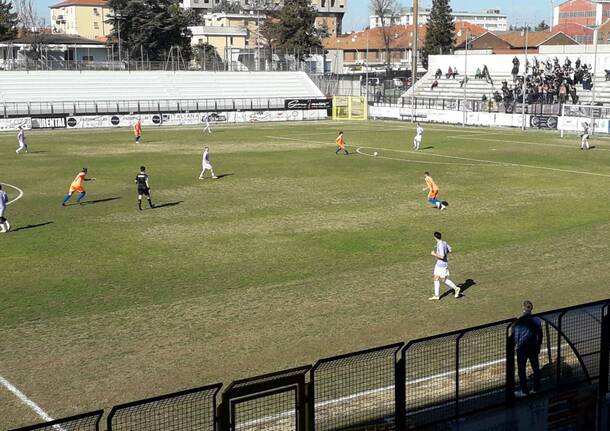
295 253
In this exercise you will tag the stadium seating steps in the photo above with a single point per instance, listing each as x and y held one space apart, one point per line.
50 86
476 88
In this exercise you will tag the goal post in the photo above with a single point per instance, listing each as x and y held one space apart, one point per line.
350 108
573 117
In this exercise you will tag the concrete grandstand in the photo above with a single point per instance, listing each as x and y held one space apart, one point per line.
64 92
500 67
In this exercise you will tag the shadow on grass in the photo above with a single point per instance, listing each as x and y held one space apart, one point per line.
167 205
224 175
99 201
429 147
463 287
32 226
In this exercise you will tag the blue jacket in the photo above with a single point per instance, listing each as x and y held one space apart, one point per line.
527 332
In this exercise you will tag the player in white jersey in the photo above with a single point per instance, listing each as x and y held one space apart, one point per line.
23 145
584 138
207 127
4 224
205 164
419 134
441 269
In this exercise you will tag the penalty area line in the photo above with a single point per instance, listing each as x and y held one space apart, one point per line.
428 162
18 191
25 400
497 163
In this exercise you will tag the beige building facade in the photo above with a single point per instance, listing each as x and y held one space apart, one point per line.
85 18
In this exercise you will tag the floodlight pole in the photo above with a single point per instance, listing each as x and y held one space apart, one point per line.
595 36
524 82
366 85
464 118
414 56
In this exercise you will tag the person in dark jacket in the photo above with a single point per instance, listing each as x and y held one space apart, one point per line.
527 333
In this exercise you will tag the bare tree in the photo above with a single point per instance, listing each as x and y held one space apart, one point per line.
386 11
31 24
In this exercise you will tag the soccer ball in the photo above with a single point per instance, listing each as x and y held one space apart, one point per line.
375 153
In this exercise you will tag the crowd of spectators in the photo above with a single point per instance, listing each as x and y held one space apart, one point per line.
546 81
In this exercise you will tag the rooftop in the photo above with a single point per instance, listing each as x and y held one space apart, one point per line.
66 3
54 39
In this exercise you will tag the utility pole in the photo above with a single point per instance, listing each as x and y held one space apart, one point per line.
524 88
465 82
414 48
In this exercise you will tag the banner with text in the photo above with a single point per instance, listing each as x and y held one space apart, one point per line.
10 124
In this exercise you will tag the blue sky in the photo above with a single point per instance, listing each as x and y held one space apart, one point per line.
518 11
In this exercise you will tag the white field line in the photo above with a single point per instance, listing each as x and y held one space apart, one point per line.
482 162
517 165
18 191
565 146
423 161
362 394
25 400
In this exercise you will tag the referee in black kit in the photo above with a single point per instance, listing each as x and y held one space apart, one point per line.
143 187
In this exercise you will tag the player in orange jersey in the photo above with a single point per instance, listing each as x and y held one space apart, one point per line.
340 144
137 131
77 186
432 189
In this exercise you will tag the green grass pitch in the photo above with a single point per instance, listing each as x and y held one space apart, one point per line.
295 254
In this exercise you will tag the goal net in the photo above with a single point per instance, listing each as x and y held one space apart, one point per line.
573 118
350 108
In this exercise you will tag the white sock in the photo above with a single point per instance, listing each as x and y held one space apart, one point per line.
437 288
451 284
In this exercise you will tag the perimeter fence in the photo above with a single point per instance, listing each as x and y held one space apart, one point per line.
431 383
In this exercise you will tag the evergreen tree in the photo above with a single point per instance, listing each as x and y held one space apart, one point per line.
295 28
441 30
207 57
151 26
542 26
8 21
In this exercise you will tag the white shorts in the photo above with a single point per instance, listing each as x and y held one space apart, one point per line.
206 166
2 212
441 272
585 137
417 138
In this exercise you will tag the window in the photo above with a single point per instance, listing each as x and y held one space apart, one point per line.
96 25
332 3
95 12
231 40
200 40
323 3
87 58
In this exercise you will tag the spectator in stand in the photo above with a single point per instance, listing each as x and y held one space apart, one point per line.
434 84
515 70
478 74
455 73
587 80
573 94
527 335
486 75
449 73
438 74
563 92
463 81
